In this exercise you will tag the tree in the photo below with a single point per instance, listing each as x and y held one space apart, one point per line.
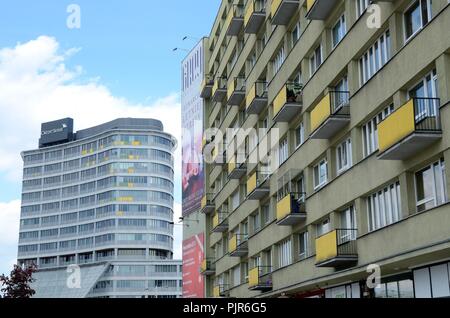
17 285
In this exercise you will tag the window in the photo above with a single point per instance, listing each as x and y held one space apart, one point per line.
283 152
265 214
361 6
338 31
299 135
235 200
431 186
384 207
370 131
416 17
341 95
348 224
375 57
256 222
303 245
316 59
426 88
295 34
236 276
323 227
320 174
284 253
344 156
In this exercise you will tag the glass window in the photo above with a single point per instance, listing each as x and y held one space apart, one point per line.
320 174
384 207
338 31
431 186
344 156
303 245
416 17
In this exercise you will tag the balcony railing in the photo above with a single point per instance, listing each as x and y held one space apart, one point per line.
258 185
319 9
236 91
238 245
256 99
283 10
208 267
260 278
337 248
220 222
291 209
411 128
219 154
206 88
207 205
288 102
235 20
219 90
330 115
237 167
255 15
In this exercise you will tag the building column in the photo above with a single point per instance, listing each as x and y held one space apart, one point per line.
396 32
362 221
350 13
447 171
408 196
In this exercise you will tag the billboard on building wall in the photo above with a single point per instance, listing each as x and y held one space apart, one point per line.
193 254
192 121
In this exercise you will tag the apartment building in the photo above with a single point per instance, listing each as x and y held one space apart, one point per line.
97 211
326 141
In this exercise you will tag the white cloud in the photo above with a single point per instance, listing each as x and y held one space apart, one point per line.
37 86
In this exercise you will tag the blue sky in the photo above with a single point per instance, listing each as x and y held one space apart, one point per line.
120 59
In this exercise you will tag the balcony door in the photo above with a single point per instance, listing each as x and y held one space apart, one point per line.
348 225
340 97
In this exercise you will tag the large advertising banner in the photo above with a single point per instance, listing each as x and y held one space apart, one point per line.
193 254
192 121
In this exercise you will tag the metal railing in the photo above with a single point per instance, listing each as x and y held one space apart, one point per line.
346 241
260 89
294 92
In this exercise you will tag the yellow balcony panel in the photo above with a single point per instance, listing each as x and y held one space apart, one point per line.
207 205
207 267
288 103
291 210
255 15
319 9
236 92
256 99
260 278
410 129
220 223
283 10
219 91
238 245
330 115
337 248
235 20
258 186
206 88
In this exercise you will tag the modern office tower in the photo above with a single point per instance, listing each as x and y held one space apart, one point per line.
97 211
329 166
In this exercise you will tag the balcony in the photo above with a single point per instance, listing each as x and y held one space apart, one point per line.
330 115
319 9
291 209
219 90
238 245
235 20
207 205
207 268
258 185
220 222
236 168
207 86
260 278
410 129
256 99
236 91
288 102
337 248
255 14
222 290
283 10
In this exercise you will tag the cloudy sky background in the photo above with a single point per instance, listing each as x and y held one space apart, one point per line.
93 75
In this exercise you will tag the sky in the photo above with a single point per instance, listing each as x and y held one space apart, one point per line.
119 63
